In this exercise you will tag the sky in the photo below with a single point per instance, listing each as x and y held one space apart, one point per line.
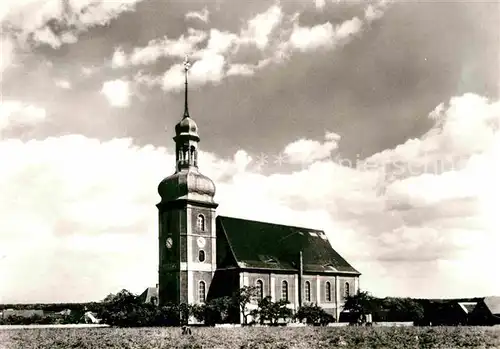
375 121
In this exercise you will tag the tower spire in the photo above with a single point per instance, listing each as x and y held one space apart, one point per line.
187 65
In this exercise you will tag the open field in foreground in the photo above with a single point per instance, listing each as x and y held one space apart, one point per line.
239 338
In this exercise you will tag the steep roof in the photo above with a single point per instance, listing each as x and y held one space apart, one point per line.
148 294
493 304
274 246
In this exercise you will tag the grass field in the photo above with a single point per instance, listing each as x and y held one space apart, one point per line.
247 338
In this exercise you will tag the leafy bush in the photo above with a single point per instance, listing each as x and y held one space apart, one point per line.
272 312
314 315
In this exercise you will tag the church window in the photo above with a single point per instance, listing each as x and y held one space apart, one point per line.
201 292
328 292
185 151
201 256
260 289
200 222
307 291
284 290
346 290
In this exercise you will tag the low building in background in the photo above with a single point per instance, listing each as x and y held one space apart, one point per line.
150 295
26 313
486 312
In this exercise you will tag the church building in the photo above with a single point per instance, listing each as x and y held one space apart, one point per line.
203 255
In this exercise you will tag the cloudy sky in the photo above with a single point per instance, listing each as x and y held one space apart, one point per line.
375 121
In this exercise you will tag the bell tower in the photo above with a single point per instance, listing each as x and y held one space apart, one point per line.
186 213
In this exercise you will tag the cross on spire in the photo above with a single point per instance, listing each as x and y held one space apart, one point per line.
187 66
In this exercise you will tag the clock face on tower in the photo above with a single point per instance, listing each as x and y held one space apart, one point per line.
201 242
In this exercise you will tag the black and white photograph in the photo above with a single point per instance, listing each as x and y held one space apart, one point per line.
219 174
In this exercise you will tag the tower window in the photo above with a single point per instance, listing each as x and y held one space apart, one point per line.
346 290
284 290
307 291
328 292
201 292
201 256
200 222
260 289
185 151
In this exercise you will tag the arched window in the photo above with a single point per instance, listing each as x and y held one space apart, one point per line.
200 222
307 291
346 290
284 290
179 154
201 256
201 292
191 155
260 289
185 151
328 292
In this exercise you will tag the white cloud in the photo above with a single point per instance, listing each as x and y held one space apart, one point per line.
119 59
173 78
167 47
241 69
260 27
64 84
88 71
241 160
30 19
258 31
72 204
117 92
373 13
325 35
16 113
210 68
312 38
201 15
6 54
221 41
377 10
348 28
305 151
320 4
273 33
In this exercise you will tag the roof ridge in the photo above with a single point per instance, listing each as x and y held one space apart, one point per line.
278 224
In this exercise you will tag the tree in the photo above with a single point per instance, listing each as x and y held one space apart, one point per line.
199 311
127 310
360 304
242 298
272 311
314 314
218 310
403 309
168 315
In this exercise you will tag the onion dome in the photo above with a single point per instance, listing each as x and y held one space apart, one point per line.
187 128
188 184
